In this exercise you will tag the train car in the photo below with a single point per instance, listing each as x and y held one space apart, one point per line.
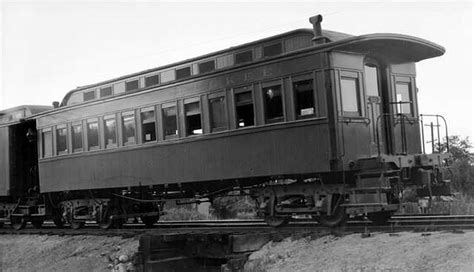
310 122
18 160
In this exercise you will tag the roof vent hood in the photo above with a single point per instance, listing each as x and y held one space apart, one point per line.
318 33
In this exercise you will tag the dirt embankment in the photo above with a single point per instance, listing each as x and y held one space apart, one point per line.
62 253
436 251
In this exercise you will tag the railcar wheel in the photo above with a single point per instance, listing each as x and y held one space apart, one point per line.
149 221
18 222
337 218
276 222
379 218
37 222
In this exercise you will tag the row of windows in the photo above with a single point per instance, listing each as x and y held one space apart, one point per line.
120 129
202 67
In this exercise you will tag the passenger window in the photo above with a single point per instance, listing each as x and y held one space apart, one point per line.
110 131
92 135
61 140
272 50
244 109
131 85
304 98
404 101
152 80
107 91
170 124
273 103
76 138
193 118
148 125
350 96
207 66
128 128
47 143
242 57
89 95
218 113
183 73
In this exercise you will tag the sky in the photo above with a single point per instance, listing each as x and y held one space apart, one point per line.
50 48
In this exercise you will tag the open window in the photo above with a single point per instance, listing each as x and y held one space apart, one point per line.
273 103
304 98
170 121
244 107
148 124
192 112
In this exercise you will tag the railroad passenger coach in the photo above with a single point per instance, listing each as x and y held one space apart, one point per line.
310 121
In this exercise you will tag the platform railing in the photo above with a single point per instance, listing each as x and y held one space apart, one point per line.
435 127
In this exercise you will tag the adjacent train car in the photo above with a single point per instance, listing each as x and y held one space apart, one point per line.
310 121
18 158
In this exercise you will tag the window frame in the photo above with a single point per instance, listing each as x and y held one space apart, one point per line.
142 123
302 78
104 88
58 152
95 147
268 85
157 75
89 92
104 121
240 90
43 141
124 115
221 94
164 107
130 81
408 82
251 50
73 125
358 91
185 114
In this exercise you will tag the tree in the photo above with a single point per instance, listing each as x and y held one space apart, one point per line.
462 167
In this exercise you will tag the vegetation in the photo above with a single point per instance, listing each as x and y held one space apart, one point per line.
182 214
230 207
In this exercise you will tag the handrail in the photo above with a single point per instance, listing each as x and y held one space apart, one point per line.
437 116
402 117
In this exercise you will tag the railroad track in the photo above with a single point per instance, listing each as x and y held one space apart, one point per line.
396 223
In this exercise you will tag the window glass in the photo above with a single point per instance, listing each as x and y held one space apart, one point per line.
152 80
110 132
170 121
61 140
244 109
207 66
47 144
218 113
131 85
107 91
350 95
77 137
371 80
148 125
89 95
304 96
183 72
128 129
403 98
243 57
272 50
92 135
193 118
273 103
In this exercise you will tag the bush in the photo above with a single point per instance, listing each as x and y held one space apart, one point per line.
231 207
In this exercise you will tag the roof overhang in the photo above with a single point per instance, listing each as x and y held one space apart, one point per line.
395 48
